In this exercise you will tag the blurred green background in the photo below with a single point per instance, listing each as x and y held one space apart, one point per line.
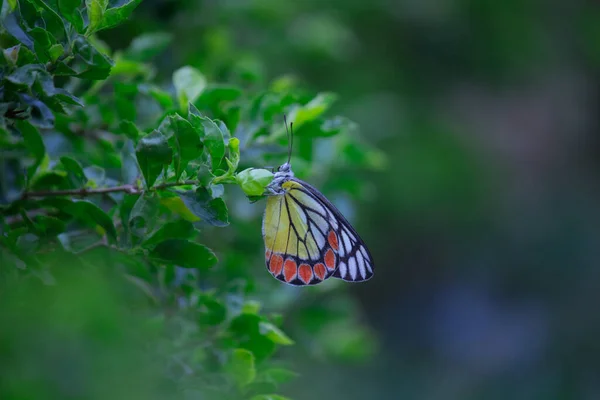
483 221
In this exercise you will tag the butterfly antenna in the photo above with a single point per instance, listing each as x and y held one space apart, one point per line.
290 133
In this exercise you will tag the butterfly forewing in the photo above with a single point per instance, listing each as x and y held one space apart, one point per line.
308 240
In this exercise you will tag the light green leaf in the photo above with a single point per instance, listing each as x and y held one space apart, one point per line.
95 11
116 15
279 375
241 367
56 51
189 84
147 46
184 254
269 397
254 181
214 141
275 334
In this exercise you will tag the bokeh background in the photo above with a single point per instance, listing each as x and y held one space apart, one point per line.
483 223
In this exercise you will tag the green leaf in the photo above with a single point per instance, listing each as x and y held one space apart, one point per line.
42 42
274 334
241 367
27 75
189 84
48 226
213 139
279 375
130 130
86 212
149 45
269 397
116 15
184 254
179 229
69 9
254 181
89 62
153 153
143 215
212 312
55 51
186 142
201 204
232 162
33 142
95 12
76 174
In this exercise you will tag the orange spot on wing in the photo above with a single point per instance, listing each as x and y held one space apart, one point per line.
333 241
268 254
276 264
289 270
330 259
319 271
305 273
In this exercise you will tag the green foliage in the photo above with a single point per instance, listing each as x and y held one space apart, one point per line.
107 171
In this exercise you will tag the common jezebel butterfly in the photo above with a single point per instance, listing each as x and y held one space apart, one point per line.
307 239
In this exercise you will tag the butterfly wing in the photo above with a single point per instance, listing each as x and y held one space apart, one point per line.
307 239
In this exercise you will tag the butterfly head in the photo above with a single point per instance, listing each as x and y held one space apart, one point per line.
284 173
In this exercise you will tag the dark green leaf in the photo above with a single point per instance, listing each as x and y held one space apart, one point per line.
212 312
113 16
179 229
40 114
129 129
153 153
73 168
184 254
42 42
89 63
241 367
69 9
33 142
87 211
48 226
201 204
186 143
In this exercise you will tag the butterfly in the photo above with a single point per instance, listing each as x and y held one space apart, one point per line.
307 239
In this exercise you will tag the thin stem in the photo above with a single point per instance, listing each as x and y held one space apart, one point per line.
84 192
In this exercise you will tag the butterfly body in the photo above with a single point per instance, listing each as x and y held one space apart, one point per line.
307 239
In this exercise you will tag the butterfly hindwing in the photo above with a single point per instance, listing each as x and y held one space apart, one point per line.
307 239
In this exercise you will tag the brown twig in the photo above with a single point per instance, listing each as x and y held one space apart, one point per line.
83 192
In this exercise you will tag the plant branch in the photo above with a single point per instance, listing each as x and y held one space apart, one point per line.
84 192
